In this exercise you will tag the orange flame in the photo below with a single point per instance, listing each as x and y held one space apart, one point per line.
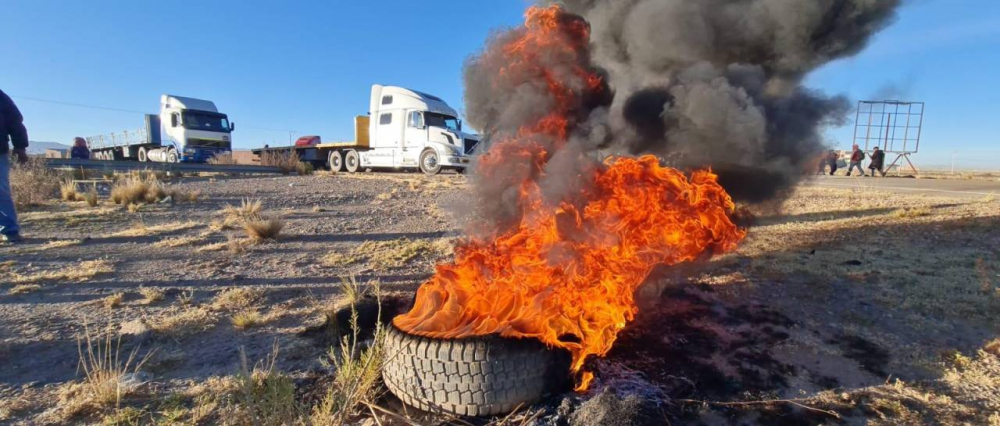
567 275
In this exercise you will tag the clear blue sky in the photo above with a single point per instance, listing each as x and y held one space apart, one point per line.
307 65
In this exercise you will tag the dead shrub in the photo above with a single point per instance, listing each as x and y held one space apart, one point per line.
151 294
223 159
248 207
246 319
304 168
265 396
33 184
286 161
91 196
68 191
262 228
113 301
107 376
238 299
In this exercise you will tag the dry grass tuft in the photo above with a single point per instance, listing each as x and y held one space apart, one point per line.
91 196
74 273
264 396
247 318
241 298
107 377
261 228
68 191
113 301
151 294
237 246
33 184
304 168
24 289
287 161
185 323
56 244
186 298
358 369
249 207
912 212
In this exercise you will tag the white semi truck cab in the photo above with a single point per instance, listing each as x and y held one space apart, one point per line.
186 130
404 129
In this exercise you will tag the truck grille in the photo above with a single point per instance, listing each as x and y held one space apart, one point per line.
207 143
470 145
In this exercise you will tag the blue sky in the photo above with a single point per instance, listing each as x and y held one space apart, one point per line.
307 65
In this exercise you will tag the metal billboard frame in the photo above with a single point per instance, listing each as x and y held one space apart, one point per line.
877 123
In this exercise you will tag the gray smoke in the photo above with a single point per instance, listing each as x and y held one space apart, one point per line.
701 83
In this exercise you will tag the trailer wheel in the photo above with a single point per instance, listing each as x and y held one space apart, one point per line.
336 161
351 161
429 162
172 156
143 156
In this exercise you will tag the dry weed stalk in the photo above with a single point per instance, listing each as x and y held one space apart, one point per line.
287 161
107 377
33 183
265 396
68 191
151 294
261 228
358 369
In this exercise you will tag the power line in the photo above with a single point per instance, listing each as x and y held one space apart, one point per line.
73 104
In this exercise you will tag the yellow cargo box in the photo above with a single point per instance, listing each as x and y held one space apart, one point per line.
361 139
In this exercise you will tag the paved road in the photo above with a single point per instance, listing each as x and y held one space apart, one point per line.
940 187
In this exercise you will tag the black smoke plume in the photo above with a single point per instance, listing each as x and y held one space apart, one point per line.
700 83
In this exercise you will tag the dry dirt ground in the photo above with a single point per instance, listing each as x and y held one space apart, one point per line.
844 306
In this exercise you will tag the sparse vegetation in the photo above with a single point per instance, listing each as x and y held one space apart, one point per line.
389 254
262 228
108 378
91 196
82 271
33 184
265 397
113 301
139 229
68 191
305 168
24 289
286 161
240 298
137 189
913 212
223 159
151 294
188 321
247 318
248 208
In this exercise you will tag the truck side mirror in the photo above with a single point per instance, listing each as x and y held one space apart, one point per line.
459 125
173 120
232 126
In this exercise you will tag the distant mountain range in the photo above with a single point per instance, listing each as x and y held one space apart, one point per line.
38 148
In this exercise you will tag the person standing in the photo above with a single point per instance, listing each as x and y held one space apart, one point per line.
878 162
831 159
11 129
856 158
79 149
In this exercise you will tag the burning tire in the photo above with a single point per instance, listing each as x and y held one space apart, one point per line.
480 376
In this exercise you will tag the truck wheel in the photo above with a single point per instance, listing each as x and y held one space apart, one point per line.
477 376
429 162
143 155
351 161
336 161
172 156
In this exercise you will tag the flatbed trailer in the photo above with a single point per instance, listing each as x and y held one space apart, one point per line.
406 130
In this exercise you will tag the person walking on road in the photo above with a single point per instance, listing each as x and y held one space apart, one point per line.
79 149
878 162
856 158
11 129
831 159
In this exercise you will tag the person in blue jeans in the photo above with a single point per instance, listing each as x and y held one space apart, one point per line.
11 130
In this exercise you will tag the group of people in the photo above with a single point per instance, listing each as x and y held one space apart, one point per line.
877 163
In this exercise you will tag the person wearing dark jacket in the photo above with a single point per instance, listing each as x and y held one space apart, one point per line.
79 149
11 130
831 160
878 162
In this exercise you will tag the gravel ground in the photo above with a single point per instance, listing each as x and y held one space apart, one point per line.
830 299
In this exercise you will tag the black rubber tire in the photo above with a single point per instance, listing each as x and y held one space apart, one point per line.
336 161
351 161
172 156
143 155
424 162
481 376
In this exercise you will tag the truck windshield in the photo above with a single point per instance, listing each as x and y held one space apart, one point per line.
205 121
441 120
